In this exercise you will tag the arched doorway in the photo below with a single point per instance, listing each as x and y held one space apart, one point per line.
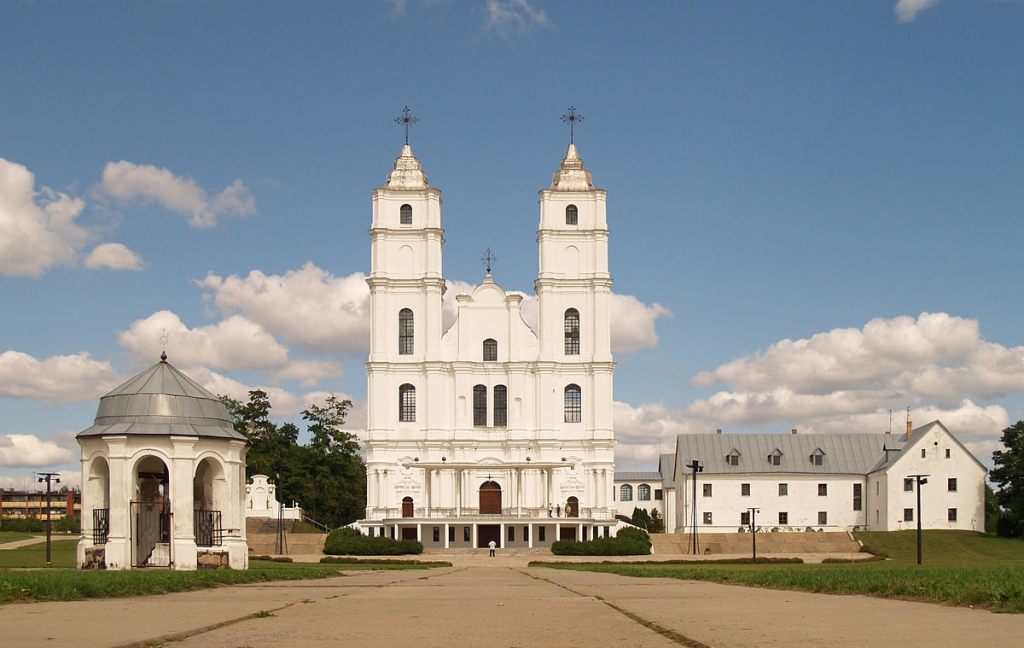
490 498
407 507
207 499
572 507
151 514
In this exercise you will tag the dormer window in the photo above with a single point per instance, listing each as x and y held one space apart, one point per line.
405 215
817 457
572 215
775 458
733 458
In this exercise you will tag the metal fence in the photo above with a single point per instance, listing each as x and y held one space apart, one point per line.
208 529
100 526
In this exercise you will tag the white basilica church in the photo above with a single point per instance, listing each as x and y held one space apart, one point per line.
489 430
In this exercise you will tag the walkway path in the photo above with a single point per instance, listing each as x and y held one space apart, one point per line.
499 602
14 544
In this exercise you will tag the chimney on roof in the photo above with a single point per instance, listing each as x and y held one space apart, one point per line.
718 431
910 429
794 431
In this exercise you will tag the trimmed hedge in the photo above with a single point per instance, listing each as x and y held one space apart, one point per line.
349 542
628 542
29 524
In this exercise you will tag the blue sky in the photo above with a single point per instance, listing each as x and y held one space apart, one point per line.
815 208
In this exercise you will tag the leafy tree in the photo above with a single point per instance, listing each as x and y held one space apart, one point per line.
326 477
657 524
641 518
1008 475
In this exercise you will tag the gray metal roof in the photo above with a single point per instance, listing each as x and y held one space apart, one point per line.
638 476
844 454
667 468
162 401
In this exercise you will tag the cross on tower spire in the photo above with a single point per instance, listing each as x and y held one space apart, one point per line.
571 118
488 259
405 119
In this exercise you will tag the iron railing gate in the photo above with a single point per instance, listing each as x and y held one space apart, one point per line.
151 534
208 529
100 525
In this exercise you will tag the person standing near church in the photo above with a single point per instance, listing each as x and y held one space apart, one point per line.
491 546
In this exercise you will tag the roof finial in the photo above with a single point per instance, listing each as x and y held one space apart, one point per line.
164 339
488 259
405 119
571 118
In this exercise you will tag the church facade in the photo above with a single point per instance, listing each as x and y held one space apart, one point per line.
489 429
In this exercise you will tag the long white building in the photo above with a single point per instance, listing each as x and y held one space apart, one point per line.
829 482
489 430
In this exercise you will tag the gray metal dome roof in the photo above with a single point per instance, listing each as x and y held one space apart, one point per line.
162 401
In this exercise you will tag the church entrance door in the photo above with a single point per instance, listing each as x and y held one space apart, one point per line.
487 532
572 507
407 508
490 498
567 533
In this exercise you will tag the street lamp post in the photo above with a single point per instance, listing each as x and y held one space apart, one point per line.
696 467
753 528
921 480
48 477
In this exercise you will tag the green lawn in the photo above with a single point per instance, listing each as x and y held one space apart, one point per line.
11 536
62 554
960 568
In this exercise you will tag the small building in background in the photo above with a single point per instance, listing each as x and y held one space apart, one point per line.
23 504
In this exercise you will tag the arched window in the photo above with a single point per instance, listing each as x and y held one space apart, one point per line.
573 404
626 493
572 215
643 492
405 332
407 403
490 350
500 406
572 332
480 406
405 215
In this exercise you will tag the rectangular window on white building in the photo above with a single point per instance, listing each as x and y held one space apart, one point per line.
822 490
947 453
783 517
707 517
951 484
908 485
857 497
951 515
822 517
745 490
707 490
745 518
783 490
908 515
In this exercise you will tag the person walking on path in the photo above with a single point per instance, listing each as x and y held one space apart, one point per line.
491 545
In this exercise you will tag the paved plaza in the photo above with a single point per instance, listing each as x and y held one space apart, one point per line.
500 602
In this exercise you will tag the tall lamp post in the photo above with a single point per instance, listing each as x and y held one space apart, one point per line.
696 467
48 477
753 528
921 480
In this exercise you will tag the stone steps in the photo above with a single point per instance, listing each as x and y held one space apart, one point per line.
261 535
767 543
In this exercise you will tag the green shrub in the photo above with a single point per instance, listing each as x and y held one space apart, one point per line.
628 542
68 524
30 524
349 542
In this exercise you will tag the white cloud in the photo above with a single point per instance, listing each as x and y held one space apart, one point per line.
27 450
36 233
233 344
513 16
906 10
633 323
846 381
308 306
114 256
127 181
58 379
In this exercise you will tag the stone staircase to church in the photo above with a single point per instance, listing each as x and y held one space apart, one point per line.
261 534
786 544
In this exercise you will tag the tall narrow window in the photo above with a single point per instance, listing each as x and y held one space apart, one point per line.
572 215
857 497
405 215
626 493
573 404
490 350
572 332
405 332
480 406
407 403
500 406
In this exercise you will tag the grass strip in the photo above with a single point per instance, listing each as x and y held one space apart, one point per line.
996 586
70 585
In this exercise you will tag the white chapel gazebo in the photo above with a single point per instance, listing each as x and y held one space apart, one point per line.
163 478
